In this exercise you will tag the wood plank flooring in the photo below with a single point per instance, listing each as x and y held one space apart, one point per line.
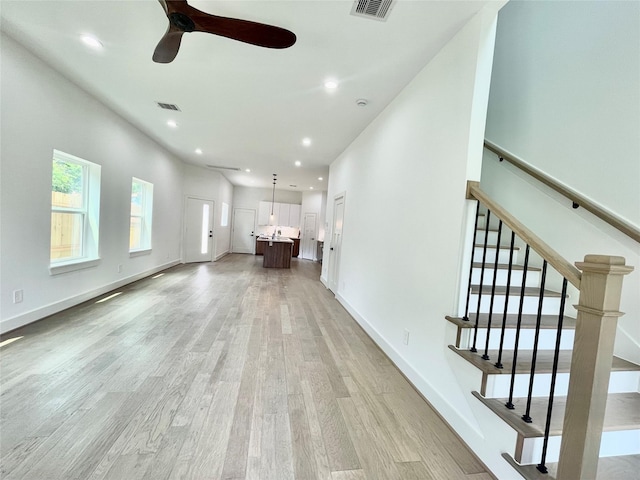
217 371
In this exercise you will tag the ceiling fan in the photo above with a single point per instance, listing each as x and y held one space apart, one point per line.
185 18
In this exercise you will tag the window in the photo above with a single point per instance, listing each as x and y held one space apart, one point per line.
75 213
224 217
141 215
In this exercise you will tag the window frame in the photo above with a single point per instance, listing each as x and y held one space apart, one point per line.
90 212
145 216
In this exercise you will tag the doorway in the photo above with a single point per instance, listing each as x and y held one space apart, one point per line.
335 247
198 230
308 242
244 221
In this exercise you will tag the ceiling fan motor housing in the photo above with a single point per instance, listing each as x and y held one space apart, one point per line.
181 21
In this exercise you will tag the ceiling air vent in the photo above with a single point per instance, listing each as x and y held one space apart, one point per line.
374 9
220 167
168 106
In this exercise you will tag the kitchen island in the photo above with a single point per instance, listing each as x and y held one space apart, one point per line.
277 252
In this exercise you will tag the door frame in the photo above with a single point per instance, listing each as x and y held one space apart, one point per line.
333 266
183 253
233 227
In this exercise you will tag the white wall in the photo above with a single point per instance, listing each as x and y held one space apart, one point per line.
565 95
208 184
42 111
565 98
406 221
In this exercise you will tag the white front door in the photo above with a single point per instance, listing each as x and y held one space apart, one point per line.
198 230
244 221
308 241
335 246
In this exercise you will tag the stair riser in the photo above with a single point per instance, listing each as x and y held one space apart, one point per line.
498 385
625 442
533 278
505 238
546 340
503 256
550 305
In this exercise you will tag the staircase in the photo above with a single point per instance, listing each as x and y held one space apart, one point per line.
509 306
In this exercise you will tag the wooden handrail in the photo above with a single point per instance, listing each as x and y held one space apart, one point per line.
566 269
616 222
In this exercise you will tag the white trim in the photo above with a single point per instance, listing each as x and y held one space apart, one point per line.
139 253
219 256
455 420
72 266
21 320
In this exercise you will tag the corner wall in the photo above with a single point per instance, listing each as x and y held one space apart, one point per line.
43 111
406 222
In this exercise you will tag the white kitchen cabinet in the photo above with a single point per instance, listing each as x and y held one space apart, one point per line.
294 215
283 214
286 214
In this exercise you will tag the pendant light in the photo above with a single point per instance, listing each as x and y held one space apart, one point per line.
273 196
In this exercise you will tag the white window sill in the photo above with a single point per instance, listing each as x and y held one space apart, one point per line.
139 253
65 267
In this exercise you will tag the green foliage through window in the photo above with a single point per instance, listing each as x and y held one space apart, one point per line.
67 177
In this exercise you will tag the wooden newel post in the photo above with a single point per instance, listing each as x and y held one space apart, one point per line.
600 289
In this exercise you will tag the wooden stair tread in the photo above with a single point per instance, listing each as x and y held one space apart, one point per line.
528 321
622 413
505 266
624 467
544 361
515 291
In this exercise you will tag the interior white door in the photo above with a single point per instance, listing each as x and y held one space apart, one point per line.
198 230
335 247
244 220
308 240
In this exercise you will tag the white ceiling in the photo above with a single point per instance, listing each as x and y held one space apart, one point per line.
244 106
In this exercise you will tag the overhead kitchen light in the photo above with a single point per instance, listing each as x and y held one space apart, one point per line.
91 41
306 141
320 178
248 170
297 163
198 151
330 84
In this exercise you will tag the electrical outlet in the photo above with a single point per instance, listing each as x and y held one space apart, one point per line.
405 337
17 296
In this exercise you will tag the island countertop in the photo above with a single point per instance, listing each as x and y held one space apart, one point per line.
276 239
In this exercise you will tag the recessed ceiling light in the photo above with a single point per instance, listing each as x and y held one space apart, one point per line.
198 151
320 178
297 163
330 84
310 188
91 41
172 123
306 141
248 170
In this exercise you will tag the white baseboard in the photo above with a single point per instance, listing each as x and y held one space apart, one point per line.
223 254
468 432
324 282
6 325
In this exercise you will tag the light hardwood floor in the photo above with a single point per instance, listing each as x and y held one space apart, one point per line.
216 371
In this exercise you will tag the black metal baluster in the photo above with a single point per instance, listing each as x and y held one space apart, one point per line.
484 261
541 466
493 292
473 248
498 364
526 417
509 403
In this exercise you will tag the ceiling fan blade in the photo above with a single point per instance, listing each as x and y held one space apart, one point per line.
168 46
245 31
